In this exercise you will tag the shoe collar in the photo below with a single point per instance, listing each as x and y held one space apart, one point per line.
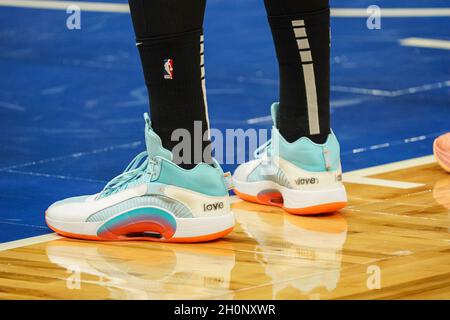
154 143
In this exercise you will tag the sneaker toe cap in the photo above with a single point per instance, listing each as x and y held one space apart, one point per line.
70 210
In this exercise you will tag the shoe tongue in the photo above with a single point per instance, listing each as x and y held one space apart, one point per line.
275 111
153 142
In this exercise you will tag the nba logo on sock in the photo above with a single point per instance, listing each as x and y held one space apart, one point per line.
168 69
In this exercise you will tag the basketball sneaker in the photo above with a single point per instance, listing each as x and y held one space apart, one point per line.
301 177
153 199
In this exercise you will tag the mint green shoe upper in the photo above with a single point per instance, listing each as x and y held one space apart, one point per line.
308 155
303 153
155 166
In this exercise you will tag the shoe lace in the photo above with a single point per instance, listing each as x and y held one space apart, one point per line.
263 150
138 167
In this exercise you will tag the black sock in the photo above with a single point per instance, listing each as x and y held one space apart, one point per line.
169 37
300 31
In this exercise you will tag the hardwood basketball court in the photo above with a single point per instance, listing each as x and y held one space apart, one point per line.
391 242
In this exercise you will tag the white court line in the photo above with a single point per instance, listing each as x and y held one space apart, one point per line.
393 166
365 91
28 241
425 43
392 93
259 119
394 143
362 176
63 5
392 12
123 8
133 144
55 176
381 182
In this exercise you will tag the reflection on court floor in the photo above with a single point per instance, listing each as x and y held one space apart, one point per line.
310 248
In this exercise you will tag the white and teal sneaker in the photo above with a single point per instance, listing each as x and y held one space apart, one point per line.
153 199
301 177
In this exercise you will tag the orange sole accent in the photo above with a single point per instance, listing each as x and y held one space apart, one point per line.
313 210
321 208
250 198
204 238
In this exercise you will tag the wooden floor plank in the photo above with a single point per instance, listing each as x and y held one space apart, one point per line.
402 235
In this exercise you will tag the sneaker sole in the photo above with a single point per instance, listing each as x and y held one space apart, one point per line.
186 230
297 202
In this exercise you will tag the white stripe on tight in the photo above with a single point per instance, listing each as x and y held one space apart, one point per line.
311 97
306 56
298 23
202 63
303 44
300 32
308 76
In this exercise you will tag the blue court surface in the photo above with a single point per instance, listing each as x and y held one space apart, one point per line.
71 101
